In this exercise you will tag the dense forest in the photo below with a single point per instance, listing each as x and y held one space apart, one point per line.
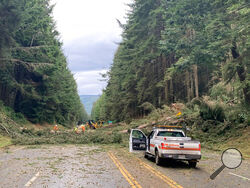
178 51
34 78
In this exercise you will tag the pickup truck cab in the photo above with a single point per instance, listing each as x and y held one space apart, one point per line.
166 143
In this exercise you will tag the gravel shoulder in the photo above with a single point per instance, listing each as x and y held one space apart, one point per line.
59 166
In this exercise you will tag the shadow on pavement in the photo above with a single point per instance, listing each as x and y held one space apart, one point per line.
170 163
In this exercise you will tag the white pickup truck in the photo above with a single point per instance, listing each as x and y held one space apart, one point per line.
166 143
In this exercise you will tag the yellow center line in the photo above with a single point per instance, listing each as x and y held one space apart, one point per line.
131 177
166 179
126 177
125 173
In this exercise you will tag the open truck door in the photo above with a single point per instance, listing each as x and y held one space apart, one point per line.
137 141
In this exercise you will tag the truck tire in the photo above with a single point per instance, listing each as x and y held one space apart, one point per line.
145 155
192 164
158 159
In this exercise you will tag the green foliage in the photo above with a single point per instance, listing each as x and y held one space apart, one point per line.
148 107
10 113
134 76
238 115
31 137
117 138
98 110
216 118
177 50
10 16
212 113
35 80
4 141
227 93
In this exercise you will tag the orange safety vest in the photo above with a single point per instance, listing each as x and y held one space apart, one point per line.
83 128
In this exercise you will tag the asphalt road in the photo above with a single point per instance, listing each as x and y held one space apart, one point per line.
109 166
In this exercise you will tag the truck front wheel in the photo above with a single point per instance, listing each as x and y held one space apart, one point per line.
158 159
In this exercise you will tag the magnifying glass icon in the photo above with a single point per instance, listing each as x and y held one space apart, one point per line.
230 158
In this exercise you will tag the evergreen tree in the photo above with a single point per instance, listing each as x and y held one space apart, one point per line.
175 51
35 79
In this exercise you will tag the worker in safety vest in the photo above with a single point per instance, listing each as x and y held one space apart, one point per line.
76 129
83 128
55 128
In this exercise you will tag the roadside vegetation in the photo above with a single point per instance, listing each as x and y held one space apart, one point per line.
175 51
216 127
4 141
15 129
194 53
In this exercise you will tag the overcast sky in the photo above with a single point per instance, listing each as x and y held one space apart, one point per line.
89 32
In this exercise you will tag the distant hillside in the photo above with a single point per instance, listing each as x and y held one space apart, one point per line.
88 101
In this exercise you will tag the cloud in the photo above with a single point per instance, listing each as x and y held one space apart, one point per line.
77 18
90 82
91 52
89 31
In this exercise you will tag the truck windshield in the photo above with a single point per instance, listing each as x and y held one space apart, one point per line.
170 134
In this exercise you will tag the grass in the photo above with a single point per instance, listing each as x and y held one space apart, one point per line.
240 142
232 138
5 141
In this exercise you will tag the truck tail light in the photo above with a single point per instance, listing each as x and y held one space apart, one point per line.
199 146
162 144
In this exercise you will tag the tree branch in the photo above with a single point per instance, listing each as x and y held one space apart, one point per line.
5 129
32 47
23 62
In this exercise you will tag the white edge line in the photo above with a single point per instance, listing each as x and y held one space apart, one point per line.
239 176
32 180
